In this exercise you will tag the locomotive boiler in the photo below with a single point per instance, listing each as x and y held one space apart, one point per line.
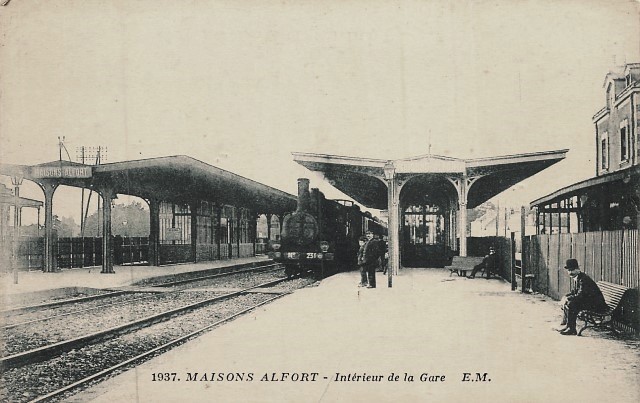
321 235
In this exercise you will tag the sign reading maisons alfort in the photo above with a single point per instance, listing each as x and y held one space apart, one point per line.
60 172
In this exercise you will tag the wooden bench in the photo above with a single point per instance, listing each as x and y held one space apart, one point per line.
613 294
461 264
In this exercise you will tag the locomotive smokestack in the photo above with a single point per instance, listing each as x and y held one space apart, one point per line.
304 197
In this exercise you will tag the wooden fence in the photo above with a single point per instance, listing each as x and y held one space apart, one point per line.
611 256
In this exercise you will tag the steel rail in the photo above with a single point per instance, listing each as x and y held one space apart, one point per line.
254 269
277 266
52 350
154 350
253 265
62 302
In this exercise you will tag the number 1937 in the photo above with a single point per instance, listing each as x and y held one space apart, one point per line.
164 376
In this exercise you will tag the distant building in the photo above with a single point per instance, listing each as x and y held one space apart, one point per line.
610 200
508 221
10 204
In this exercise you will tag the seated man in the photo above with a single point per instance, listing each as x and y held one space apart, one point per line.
489 264
586 295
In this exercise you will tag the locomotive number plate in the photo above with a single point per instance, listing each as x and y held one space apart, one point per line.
311 255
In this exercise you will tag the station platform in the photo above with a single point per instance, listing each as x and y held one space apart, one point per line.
90 277
429 338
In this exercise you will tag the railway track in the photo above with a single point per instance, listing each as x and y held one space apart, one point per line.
18 370
95 302
79 384
33 341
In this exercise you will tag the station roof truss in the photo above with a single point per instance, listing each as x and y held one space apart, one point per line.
427 176
176 179
623 181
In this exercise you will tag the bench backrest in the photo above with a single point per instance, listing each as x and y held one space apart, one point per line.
466 261
612 293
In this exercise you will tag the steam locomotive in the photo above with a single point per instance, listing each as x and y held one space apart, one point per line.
321 235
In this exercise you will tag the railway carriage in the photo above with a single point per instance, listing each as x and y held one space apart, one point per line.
321 235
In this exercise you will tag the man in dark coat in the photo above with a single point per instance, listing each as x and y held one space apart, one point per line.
489 264
361 262
370 258
585 295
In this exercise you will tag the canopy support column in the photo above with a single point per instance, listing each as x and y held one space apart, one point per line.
462 185
393 206
154 232
107 194
49 189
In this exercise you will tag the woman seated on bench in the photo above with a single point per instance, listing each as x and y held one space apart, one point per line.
489 264
586 295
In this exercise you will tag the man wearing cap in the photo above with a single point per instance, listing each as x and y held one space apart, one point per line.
489 264
585 295
369 261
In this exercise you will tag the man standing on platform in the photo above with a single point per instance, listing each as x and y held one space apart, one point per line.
371 255
361 262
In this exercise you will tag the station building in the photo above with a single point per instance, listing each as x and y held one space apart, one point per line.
611 199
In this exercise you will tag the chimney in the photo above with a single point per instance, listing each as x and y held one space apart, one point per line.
304 197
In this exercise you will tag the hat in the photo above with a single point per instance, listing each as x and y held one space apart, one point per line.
572 264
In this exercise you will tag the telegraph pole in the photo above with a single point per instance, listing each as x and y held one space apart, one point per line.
84 154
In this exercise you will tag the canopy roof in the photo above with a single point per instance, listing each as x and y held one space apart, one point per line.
625 180
177 179
427 177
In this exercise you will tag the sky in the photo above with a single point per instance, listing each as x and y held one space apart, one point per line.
242 84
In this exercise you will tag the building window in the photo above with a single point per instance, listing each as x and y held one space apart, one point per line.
604 152
624 141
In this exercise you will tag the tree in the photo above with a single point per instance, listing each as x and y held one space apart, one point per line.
129 220
65 227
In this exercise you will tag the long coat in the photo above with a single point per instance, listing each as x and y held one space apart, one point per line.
586 294
369 253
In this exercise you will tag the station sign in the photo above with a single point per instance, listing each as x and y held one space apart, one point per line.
173 234
60 172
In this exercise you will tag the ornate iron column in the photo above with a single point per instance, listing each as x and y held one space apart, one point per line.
49 189
462 185
107 194
393 205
